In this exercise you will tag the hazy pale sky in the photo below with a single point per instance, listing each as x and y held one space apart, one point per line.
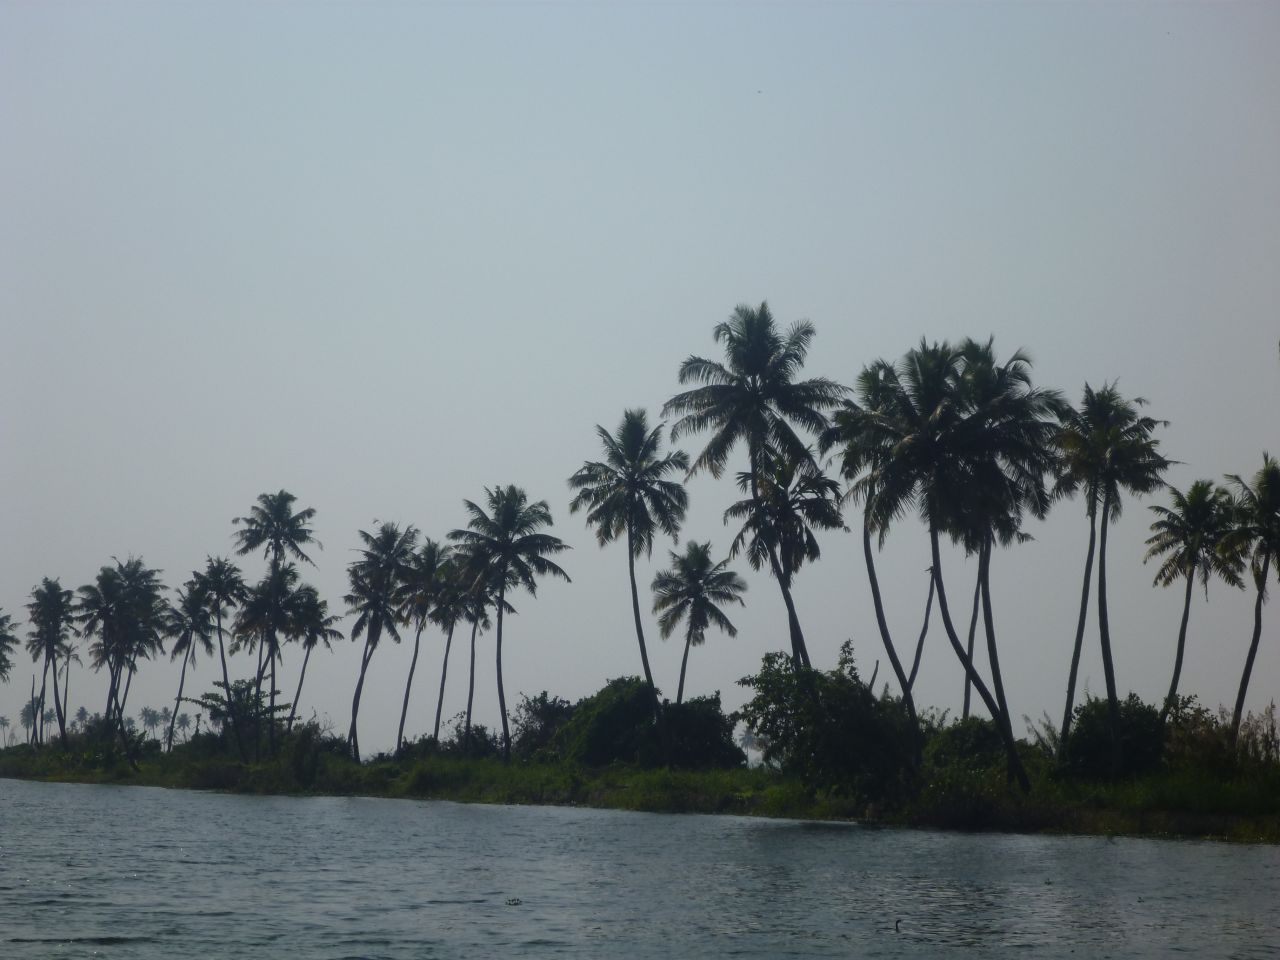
385 255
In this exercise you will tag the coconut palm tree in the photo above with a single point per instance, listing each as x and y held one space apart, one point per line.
377 598
628 493
277 528
1255 535
183 722
190 625
507 550
4 731
312 625
792 498
224 589
476 603
82 718
422 587
27 715
1107 448
267 617
50 612
450 608
754 397
8 643
1189 536
693 591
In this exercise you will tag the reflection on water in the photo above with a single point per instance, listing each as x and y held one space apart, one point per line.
146 873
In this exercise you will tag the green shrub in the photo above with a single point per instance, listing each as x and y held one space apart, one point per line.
614 725
1090 748
700 736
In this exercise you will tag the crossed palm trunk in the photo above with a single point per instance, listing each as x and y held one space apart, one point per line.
444 672
408 684
370 642
904 683
799 652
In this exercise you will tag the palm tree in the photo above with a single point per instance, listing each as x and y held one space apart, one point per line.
629 493
376 598
184 724
792 498
754 397
27 715
1189 536
150 720
1255 534
268 615
313 625
450 607
4 731
1107 447
693 590
191 626
8 643
476 603
273 525
422 588
82 718
50 613
223 588
507 550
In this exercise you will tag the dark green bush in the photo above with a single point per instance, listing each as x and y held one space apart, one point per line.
614 725
1089 745
535 723
700 736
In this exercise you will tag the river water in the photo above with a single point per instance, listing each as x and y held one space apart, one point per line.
140 872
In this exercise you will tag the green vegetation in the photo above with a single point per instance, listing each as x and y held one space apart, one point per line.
949 434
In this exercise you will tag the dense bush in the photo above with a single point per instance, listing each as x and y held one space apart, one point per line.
535 723
829 729
614 725
699 735
1089 746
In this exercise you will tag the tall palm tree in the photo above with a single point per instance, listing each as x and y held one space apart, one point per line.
628 493
82 717
693 590
313 625
223 587
4 728
268 615
1107 448
754 397
8 643
184 724
422 587
277 528
190 625
476 603
1255 535
792 499
376 598
450 608
50 612
508 551
1189 536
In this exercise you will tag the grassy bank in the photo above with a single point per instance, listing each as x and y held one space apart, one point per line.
1167 803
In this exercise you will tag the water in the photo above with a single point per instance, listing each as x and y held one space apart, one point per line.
146 873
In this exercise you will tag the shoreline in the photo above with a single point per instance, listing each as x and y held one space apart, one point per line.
753 792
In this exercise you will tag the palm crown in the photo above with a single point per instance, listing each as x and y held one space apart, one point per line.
273 525
1189 535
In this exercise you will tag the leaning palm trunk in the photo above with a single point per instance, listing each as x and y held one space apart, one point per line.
635 613
1075 652
502 699
1171 699
58 708
39 718
973 632
370 641
988 623
799 652
1011 748
924 631
1104 632
444 672
903 681
413 665
1238 714
471 693
297 697
177 701
271 714
684 662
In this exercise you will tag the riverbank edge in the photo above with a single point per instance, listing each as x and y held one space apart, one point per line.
754 792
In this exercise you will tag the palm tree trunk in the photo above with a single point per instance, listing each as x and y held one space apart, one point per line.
257 700
297 697
988 623
44 682
684 662
226 689
177 702
502 699
66 688
903 682
799 652
635 613
973 631
471 691
413 665
57 707
1238 714
1104 632
1182 643
31 731
271 714
444 672
1075 652
924 630
370 641
1011 748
